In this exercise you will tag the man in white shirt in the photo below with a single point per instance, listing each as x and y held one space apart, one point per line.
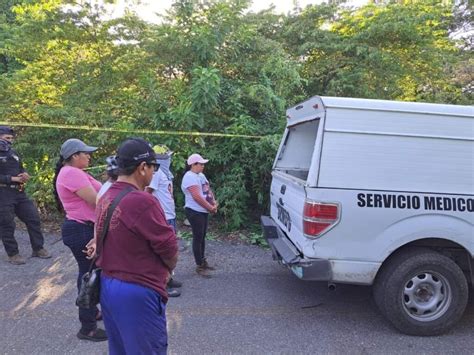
161 186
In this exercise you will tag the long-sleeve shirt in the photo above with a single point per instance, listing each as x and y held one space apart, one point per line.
138 240
10 164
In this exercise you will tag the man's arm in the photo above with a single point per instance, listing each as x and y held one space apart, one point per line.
152 226
8 179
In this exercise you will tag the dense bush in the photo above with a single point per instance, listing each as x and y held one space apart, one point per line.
209 67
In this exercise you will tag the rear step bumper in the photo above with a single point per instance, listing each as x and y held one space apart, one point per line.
286 253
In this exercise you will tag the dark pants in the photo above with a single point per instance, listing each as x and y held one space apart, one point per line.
14 202
198 221
76 236
172 223
134 317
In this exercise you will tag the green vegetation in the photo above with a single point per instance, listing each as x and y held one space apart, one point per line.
211 66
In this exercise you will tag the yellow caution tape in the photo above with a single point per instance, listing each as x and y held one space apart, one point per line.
135 131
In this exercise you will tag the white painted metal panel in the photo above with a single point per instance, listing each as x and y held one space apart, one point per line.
368 233
287 196
398 106
400 123
397 163
307 110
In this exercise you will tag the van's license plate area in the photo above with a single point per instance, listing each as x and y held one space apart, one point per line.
283 216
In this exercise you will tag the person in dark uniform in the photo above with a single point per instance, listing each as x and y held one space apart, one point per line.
14 201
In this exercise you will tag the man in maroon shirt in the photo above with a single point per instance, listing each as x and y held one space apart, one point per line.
137 259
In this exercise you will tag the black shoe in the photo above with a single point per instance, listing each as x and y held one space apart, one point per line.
94 335
172 283
173 293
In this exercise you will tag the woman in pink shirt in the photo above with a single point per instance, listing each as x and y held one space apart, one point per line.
75 192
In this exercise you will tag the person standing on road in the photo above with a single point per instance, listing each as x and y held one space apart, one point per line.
161 186
137 257
13 200
199 202
76 192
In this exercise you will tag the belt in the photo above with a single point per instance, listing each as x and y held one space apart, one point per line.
12 186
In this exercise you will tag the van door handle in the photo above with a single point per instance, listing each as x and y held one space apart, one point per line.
280 200
283 189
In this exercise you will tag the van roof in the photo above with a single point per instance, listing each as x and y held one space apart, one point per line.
401 106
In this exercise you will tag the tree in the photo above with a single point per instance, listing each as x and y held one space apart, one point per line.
211 67
398 51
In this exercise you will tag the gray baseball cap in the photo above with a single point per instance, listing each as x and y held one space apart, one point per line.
73 146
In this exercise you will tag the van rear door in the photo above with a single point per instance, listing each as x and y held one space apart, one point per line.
291 171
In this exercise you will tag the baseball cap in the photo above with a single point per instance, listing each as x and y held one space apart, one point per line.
7 130
73 146
133 151
196 158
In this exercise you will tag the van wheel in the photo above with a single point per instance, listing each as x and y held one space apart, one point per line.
421 292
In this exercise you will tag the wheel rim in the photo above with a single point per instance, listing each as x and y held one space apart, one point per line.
426 296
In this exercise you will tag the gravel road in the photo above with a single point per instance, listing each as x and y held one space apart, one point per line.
250 306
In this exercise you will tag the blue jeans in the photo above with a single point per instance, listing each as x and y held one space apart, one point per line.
76 236
134 317
172 223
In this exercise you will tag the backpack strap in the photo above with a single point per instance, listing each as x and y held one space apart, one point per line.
108 218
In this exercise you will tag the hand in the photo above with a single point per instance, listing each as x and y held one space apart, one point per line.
24 177
214 209
90 249
21 178
16 179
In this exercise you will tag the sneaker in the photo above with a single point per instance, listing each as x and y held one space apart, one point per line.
207 266
173 293
172 283
202 271
94 335
41 253
16 259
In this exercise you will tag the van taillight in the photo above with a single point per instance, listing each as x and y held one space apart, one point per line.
319 217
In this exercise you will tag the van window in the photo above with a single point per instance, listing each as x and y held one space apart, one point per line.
295 155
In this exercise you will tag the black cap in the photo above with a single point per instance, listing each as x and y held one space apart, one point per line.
133 151
6 130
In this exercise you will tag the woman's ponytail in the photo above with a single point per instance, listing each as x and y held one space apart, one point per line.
59 165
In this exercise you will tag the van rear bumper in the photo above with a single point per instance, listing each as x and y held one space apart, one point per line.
286 253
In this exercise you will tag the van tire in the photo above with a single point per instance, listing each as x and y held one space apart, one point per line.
421 292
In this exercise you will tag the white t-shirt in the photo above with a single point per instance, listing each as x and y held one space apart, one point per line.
193 179
162 186
104 189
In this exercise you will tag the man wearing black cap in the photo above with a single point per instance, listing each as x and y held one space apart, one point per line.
139 258
13 200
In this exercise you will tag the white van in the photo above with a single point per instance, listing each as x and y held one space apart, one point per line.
379 193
